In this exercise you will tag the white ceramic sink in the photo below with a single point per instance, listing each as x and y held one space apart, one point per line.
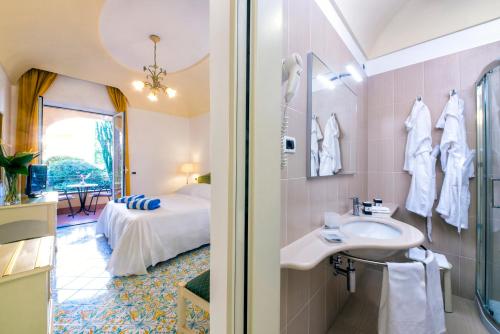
371 229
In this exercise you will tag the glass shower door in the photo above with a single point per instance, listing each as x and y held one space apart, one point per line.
488 227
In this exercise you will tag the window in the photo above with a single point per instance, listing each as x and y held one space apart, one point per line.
76 145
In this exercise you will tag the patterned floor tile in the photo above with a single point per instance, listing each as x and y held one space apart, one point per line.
88 300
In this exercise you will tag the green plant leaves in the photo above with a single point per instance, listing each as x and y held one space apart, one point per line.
17 163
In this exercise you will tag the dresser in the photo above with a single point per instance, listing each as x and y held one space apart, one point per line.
33 217
25 269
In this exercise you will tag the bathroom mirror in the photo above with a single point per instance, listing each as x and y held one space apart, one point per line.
331 121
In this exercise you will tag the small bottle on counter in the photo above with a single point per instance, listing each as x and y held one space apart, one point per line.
367 208
377 202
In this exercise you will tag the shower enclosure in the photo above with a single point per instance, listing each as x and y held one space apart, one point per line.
488 197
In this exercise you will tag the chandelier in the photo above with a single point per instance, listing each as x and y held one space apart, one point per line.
154 77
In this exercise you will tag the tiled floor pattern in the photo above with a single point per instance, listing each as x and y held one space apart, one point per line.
360 314
87 300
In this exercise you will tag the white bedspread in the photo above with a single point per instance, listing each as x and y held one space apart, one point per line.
140 239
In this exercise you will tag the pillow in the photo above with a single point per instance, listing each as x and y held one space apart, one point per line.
196 190
204 178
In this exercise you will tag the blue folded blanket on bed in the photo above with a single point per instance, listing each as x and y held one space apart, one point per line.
144 204
127 199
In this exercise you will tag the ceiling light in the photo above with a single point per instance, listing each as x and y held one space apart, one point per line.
154 77
152 97
138 85
354 73
171 92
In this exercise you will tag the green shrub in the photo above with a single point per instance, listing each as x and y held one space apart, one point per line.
63 170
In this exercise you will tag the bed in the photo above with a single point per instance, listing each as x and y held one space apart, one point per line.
140 239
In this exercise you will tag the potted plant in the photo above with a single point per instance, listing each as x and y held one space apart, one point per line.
13 166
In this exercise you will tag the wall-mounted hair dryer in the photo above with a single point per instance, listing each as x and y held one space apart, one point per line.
291 70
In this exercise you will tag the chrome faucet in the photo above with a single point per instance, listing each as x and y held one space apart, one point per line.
355 206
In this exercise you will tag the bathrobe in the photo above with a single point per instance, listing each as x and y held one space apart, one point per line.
316 136
420 162
330 159
457 164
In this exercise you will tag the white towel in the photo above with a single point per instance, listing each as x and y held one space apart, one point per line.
418 254
434 310
403 299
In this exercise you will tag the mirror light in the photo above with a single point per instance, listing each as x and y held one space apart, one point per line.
354 73
138 85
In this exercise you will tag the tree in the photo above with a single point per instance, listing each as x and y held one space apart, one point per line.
104 133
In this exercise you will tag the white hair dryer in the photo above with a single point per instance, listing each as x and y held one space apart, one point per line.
291 69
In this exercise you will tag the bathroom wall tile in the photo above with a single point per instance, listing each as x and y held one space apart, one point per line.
317 278
299 41
401 187
381 122
474 61
468 240
285 28
297 209
381 90
297 129
408 83
283 298
284 197
441 75
467 277
455 273
331 309
445 237
300 324
399 154
317 305
317 189
469 97
297 292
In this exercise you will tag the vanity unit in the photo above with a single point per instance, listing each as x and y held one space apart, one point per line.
25 304
33 217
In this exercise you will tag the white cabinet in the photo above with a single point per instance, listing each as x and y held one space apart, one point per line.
33 217
25 267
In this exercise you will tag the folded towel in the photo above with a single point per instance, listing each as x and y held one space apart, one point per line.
380 209
403 299
126 199
418 254
435 309
144 204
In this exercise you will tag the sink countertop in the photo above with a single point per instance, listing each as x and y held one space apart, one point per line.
307 252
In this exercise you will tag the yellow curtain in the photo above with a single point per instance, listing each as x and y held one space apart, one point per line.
32 84
120 103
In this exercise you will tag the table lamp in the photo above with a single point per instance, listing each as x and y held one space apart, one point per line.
188 169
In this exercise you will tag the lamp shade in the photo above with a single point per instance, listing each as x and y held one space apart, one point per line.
187 168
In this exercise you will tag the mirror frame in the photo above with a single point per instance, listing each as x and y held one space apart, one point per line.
310 57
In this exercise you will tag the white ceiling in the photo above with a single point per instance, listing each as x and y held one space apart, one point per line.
65 37
381 27
125 26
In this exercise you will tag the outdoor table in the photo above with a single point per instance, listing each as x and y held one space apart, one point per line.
83 190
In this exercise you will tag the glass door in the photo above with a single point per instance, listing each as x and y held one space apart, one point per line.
118 184
488 227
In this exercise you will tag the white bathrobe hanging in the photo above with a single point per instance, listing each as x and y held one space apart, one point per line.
457 164
330 158
420 162
316 136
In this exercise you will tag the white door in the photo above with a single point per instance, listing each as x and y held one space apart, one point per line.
118 184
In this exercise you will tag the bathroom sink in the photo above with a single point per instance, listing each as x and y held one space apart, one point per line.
371 229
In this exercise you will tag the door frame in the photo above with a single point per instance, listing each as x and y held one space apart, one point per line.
245 158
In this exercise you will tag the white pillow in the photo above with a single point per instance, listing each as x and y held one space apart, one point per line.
196 190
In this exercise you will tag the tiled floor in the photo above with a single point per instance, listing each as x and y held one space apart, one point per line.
87 300
360 314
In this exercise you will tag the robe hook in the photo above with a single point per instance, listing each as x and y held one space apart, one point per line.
453 92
